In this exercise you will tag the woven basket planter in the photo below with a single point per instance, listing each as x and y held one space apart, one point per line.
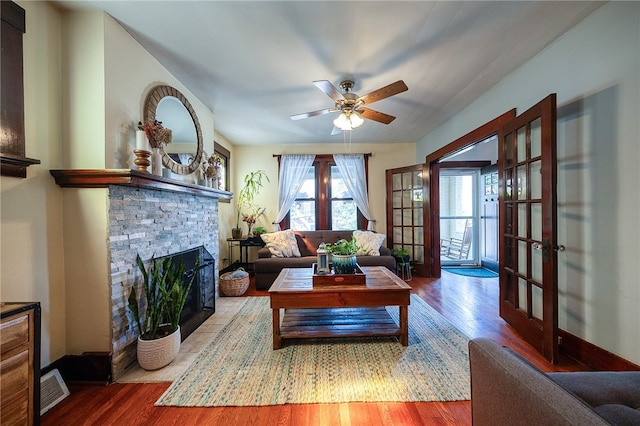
155 354
233 286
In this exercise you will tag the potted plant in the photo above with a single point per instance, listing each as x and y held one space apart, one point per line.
401 255
165 293
252 183
259 230
403 262
343 256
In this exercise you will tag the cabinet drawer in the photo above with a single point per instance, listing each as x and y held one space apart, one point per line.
14 332
15 375
15 410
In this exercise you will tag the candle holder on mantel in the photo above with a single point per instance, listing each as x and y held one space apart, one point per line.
142 159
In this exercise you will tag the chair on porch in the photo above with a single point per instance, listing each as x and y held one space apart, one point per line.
458 248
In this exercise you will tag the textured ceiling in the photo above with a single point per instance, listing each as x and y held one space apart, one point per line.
253 63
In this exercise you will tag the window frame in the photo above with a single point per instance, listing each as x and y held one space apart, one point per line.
322 165
224 153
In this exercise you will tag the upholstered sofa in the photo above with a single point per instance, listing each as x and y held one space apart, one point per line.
267 267
508 390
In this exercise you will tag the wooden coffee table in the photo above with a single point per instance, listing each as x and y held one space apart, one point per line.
338 310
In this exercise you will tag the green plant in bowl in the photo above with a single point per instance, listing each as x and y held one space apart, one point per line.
343 247
343 256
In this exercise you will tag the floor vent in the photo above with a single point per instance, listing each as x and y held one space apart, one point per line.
52 390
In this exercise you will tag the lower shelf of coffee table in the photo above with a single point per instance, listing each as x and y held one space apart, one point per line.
337 322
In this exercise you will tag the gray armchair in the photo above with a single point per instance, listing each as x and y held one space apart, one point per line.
508 390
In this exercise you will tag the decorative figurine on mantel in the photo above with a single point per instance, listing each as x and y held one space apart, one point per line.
210 170
141 152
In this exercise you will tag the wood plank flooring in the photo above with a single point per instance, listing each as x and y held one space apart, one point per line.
471 304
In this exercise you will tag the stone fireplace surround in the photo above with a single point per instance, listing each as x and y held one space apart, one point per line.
149 215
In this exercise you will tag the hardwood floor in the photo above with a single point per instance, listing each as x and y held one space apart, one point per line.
471 304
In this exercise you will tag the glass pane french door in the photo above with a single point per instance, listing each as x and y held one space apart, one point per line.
528 207
405 218
458 217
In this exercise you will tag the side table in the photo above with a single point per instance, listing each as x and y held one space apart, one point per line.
244 243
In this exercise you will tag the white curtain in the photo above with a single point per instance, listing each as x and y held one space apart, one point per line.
293 169
351 167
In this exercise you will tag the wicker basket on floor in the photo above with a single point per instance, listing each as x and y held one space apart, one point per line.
233 286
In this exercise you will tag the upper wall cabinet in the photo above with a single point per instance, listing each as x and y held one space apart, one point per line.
12 151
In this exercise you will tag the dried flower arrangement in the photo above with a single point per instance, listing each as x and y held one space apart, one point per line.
157 134
253 217
211 167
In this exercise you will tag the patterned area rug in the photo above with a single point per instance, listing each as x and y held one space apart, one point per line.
240 368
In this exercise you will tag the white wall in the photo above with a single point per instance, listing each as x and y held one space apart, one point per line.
130 74
595 71
31 258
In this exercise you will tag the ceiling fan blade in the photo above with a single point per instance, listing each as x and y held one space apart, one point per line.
378 116
313 113
335 131
385 92
330 89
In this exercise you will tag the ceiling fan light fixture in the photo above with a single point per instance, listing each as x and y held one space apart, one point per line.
348 120
342 122
356 120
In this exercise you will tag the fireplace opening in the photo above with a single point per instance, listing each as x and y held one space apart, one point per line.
201 300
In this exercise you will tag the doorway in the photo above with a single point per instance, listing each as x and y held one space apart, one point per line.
459 214
436 164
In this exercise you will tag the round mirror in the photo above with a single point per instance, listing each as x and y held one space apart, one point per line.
170 107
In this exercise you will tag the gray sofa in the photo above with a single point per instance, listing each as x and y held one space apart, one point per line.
508 390
267 268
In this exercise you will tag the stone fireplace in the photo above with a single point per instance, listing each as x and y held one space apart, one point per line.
150 216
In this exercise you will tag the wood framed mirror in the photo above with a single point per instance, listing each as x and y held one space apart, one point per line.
170 107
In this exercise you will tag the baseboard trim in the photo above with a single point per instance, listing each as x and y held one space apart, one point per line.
591 355
88 368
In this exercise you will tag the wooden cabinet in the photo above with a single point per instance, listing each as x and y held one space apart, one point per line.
20 364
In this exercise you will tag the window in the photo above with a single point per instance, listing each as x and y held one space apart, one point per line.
324 202
223 154
344 212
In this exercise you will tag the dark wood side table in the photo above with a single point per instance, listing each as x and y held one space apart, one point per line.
244 243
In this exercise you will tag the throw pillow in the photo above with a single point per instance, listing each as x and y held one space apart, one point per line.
368 242
282 243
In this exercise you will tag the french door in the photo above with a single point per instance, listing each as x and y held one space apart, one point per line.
528 247
406 188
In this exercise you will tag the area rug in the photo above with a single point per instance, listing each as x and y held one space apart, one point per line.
473 272
240 368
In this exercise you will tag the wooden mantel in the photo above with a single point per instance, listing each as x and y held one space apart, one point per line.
96 178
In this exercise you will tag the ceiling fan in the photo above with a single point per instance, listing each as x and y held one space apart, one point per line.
351 106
